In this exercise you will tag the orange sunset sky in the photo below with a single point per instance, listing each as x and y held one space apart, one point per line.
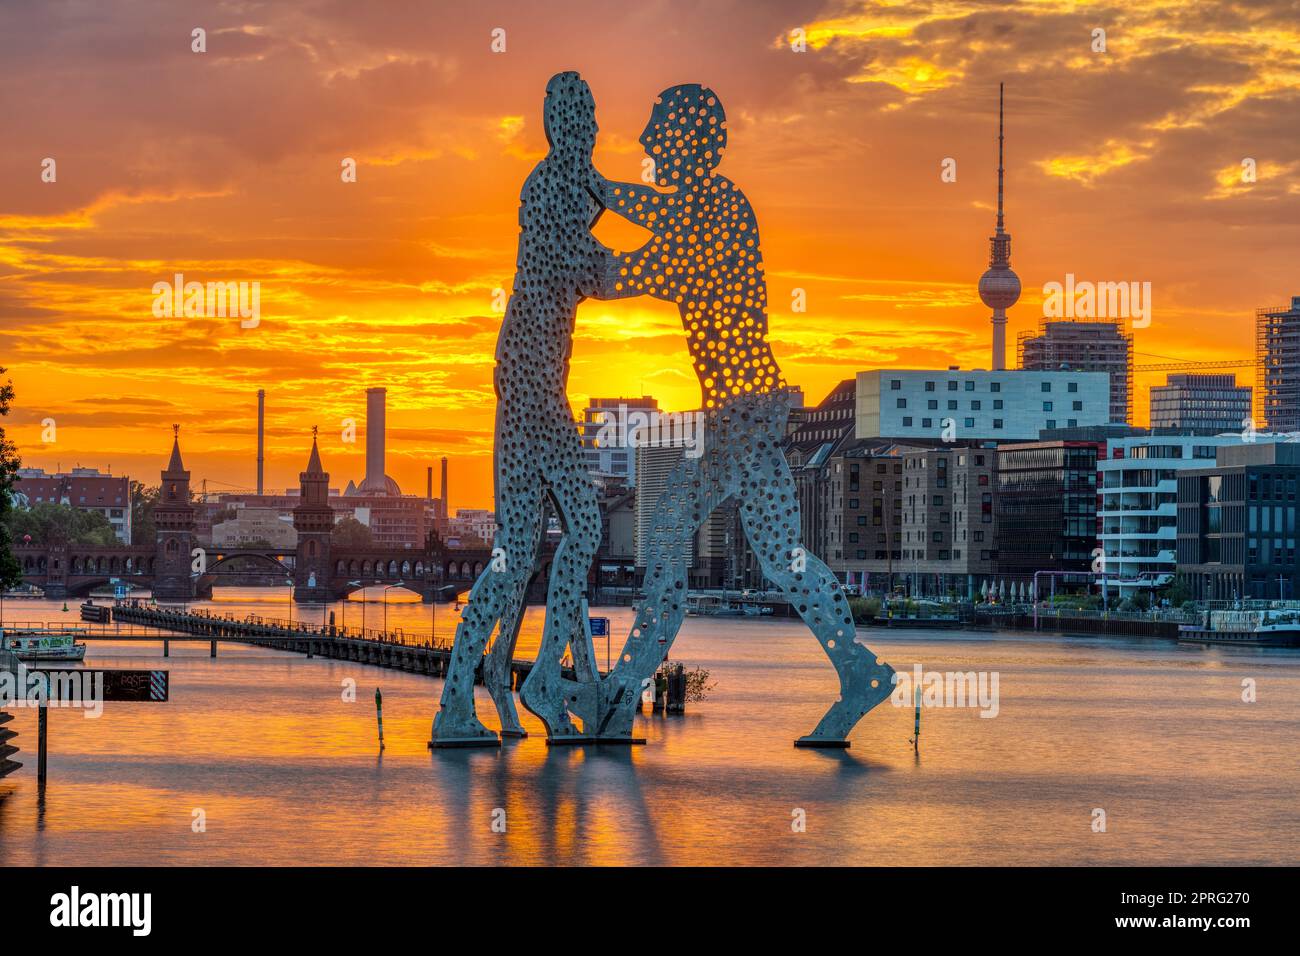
225 165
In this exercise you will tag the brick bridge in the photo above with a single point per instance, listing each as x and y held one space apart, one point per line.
176 568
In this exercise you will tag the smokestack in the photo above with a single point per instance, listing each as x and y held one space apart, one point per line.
261 435
375 438
428 485
444 485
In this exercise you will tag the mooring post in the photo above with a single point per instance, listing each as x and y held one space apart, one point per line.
379 716
916 738
213 652
42 741
167 648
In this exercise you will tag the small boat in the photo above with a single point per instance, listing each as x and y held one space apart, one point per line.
1267 628
43 645
711 606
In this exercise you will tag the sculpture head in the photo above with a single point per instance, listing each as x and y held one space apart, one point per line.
686 134
569 113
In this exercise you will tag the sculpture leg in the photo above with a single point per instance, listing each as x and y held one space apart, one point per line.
770 515
498 667
543 693
457 721
693 490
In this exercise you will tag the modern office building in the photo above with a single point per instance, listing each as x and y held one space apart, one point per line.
956 406
1139 504
1277 367
613 416
714 552
1237 524
1046 510
1204 404
87 489
949 531
1084 347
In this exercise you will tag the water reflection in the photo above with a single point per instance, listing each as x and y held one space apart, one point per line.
286 769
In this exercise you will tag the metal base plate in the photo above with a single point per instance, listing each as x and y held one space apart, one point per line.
449 742
822 743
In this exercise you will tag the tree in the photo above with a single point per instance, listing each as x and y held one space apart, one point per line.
698 685
351 533
48 522
11 573
1178 594
143 501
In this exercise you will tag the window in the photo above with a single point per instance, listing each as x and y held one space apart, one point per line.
952 404
995 386
970 386
902 403
927 422
970 422
932 404
975 405
1047 386
997 404
1072 387
1047 406
907 421
952 386
895 384
1078 406
929 386
1051 423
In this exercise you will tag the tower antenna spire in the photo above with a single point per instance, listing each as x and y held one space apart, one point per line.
1000 176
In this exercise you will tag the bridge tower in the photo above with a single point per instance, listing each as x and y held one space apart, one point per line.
313 519
174 521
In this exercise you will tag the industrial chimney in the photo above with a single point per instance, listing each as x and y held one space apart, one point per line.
376 482
444 485
428 485
261 435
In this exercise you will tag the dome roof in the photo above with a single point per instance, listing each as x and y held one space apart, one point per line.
999 288
388 487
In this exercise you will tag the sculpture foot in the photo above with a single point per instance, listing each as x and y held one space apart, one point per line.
869 683
551 713
463 731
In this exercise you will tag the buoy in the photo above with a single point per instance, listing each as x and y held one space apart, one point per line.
65 605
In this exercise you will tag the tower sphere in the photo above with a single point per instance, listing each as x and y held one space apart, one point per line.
999 287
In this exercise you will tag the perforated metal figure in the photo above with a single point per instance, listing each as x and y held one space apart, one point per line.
705 257
537 451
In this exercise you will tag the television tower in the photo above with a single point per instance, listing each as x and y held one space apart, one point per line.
999 286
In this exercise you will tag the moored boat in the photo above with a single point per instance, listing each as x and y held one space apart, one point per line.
34 645
1262 628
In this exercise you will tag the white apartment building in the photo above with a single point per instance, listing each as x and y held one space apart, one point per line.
977 405
617 416
1138 511
473 523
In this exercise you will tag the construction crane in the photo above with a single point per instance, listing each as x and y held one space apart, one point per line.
1172 364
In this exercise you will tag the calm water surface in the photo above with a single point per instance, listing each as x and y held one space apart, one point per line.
287 772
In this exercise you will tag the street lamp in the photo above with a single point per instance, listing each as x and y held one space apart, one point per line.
289 583
354 584
385 600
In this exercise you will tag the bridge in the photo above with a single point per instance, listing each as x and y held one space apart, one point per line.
396 650
177 568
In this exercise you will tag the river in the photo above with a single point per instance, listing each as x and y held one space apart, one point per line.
258 758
